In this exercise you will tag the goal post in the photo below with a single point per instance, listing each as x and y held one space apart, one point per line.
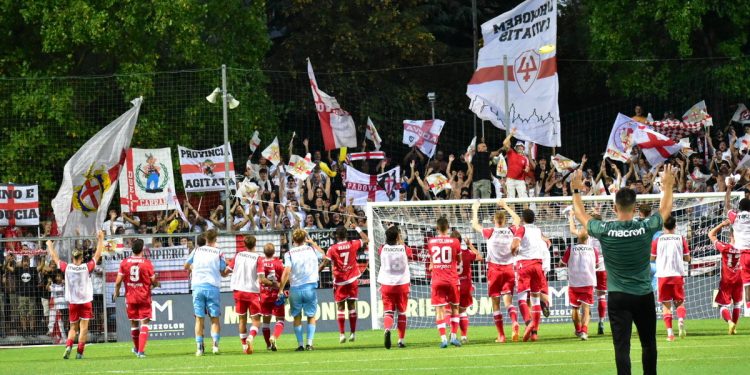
696 214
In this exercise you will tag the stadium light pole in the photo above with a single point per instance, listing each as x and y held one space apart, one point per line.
431 97
227 102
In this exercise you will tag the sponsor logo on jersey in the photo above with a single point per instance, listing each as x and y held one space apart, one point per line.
626 232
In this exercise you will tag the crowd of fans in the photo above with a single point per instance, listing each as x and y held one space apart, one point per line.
283 202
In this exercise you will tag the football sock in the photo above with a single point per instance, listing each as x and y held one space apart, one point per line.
243 338
455 320
668 324
199 342
585 328
441 329
513 314
524 307
310 333
341 317
81 346
681 313
388 321
267 334
736 312
401 326
216 337
536 312
724 311
578 327
498 318
253 332
68 342
463 324
278 329
602 308
352 320
134 334
143 339
298 333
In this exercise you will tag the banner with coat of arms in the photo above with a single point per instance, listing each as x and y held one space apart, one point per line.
203 170
147 179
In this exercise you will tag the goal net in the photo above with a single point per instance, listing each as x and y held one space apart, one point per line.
696 214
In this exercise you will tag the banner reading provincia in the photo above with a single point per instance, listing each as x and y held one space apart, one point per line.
19 205
147 179
526 38
365 187
203 170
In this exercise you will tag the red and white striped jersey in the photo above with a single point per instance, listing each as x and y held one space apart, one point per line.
669 250
582 261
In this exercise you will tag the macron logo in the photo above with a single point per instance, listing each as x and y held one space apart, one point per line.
626 233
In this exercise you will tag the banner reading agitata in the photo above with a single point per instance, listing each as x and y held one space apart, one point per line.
147 179
203 170
526 36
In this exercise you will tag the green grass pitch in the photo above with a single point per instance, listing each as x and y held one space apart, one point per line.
707 349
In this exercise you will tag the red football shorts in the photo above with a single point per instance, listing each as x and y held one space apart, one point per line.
601 281
545 286
530 276
465 295
580 294
395 297
139 311
268 306
80 311
346 292
745 265
729 290
246 302
444 294
671 289
501 279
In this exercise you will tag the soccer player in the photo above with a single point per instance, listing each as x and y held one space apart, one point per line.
502 243
730 285
343 256
740 221
208 266
601 271
269 293
301 272
394 279
247 275
530 274
445 254
581 260
79 292
138 274
625 244
669 251
465 284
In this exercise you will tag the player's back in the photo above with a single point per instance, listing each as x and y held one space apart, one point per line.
207 263
303 261
740 229
343 257
499 242
532 244
444 253
669 251
245 267
273 268
137 273
464 267
394 265
581 260
730 262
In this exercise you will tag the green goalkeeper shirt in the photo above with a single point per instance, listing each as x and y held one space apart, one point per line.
626 247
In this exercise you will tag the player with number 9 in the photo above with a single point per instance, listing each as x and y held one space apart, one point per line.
138 274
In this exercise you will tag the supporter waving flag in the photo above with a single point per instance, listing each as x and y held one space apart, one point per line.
656 147
336 124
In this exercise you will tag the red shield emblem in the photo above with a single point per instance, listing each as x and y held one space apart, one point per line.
526 69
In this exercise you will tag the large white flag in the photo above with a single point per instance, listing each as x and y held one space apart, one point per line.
621 138
656 147
147 180
526 36
300 167
563 164
741 115
272 152
203 170
90 176
336 124
697 113
365 187
424 134
438 182
372 134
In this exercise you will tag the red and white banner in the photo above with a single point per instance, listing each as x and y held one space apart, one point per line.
300 167
621 138
502 167
368 155
19 205
698 113
372 134
336 124
169 267
526 36
203 170
656 147
741 115
677 129
563 164
438 182
254 141
90 176
146 181
423 134
365 187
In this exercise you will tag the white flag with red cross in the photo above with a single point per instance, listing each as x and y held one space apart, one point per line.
372 134
19 205
423 134
741 115
363 187
563 164
300 167
254 141
656 147
336 124
438 182
519 50
272 152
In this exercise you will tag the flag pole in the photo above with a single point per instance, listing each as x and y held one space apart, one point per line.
226 145
474 26
505 88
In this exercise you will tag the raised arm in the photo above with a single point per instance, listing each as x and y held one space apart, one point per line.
576 183
506 141
713 234
572 224
52 252
362 235
475 217
667 183
99 246
473 249
728 195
